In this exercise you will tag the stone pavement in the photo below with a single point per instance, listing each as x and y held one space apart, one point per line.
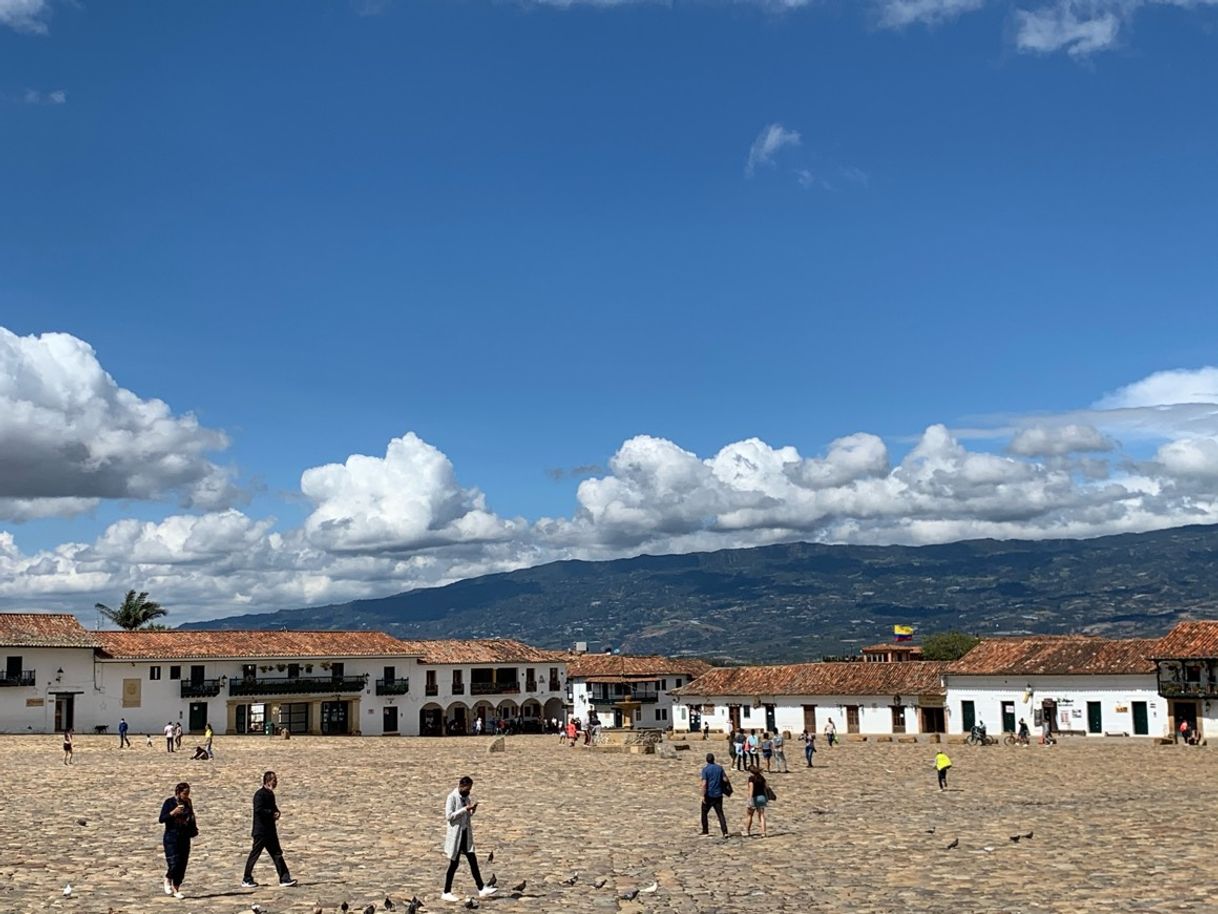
1119 826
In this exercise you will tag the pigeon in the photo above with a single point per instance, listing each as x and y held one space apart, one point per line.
600 883
413 907
370 909
989 849
256 908
955 843
67 890
471 903
931 830
519 887
1015 838
1028 835
490 858
571 880
493 881
317 908
389 905
650 889
82 821
344 907
629 896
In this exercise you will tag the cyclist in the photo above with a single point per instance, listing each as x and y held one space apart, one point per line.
1024 735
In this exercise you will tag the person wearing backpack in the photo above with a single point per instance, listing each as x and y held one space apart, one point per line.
715 786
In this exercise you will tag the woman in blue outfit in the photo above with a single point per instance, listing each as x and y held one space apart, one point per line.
178 815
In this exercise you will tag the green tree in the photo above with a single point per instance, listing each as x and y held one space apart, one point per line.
948 645
136 611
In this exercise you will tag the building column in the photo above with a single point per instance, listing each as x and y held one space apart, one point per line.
230 715
315 717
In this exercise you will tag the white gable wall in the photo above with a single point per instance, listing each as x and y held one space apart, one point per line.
31 709
875 713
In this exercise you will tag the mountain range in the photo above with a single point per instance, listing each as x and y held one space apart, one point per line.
801 601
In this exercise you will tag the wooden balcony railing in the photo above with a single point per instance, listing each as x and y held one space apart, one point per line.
299 685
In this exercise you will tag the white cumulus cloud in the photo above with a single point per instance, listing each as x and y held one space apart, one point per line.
25 15
70 436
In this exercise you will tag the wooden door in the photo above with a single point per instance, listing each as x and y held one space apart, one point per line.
810 718
852 718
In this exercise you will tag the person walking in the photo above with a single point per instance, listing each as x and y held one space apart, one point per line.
809 738
209 736
780 754
731 747
830 732
714 780
459 839
759 797
942 765
178 817
266 834
177 735
169 737
67 746
123 742
767 749
754 747
741 744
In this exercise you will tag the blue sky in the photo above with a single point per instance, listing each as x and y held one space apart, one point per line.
530 235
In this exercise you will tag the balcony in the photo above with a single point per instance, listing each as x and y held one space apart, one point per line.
201 688
1171 689
554 685
431 689
392 686
530 685
24 678
299 685
643 697
494 688
458 688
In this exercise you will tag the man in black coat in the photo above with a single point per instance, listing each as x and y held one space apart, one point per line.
266 833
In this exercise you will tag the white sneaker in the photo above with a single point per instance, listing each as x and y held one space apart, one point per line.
449 896
168 886
178 895
487 891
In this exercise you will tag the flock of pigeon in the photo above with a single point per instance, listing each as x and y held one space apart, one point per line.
417 905
989 849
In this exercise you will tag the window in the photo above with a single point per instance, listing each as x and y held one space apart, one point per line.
154 672
663 684
661 714
678 685
294 673
391 673
249 671
430 687
197 673
175 672
336 670
747 711
458 682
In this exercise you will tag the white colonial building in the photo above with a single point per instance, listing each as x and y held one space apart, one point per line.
608 684
859 697
459 682
1081 685
1186 662
49 674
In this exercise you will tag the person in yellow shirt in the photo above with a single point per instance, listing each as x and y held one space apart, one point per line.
942 764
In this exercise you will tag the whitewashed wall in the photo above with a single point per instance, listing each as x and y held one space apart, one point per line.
875 713
657 714
551 701
31 709
1115 694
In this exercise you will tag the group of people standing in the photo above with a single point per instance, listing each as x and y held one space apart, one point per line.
748 750
181 827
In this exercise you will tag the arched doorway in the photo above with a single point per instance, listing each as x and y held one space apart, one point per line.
485 712
554 710
530 712
431 720
457 719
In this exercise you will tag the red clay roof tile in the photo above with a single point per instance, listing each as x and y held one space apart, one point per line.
1057 655
913 677
43 630
1194 640
202 644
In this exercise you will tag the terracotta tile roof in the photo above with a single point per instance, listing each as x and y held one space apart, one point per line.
894 646
627 667
914 677
1188 641
201 644
43 630
1065 655
482 650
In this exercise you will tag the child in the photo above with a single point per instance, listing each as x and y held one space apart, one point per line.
942 763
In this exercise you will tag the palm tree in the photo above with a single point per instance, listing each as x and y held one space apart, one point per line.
137 611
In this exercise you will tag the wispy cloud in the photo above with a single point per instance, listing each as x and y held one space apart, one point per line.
25 15
37 97
772 138
900 13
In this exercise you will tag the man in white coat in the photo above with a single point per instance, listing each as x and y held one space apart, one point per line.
459 814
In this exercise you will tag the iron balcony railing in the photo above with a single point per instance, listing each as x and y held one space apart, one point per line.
392 686
431 689
299 685
201 688
494 688
24 678
644 697
1188 689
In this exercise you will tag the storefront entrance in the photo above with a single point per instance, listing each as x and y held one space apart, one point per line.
335 718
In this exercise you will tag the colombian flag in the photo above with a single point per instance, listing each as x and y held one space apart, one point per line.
902 632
